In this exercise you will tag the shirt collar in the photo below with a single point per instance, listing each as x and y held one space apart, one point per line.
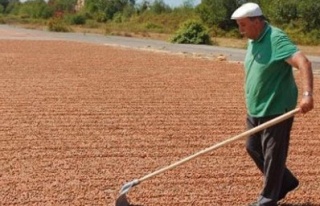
263 33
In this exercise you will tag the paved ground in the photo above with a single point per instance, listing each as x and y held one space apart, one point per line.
78 120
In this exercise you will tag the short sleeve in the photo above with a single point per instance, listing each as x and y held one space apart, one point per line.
283 47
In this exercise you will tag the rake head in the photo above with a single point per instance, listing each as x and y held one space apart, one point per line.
122 199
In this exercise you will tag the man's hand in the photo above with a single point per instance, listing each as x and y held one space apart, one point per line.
306 104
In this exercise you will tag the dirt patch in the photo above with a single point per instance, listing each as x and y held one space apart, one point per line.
79 120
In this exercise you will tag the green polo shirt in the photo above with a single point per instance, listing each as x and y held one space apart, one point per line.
270 87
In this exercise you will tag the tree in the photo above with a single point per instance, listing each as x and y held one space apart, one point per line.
188 4
283 12
106 9
35 9
13 7
218 12
4 3
143 6
158 7
309 13
63 5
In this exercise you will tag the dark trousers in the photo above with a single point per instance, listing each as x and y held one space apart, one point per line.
269 150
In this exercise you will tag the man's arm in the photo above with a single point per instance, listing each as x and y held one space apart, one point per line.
300 61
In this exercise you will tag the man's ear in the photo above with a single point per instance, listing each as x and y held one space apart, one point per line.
256 21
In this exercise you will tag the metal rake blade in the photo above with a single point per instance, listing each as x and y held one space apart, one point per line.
122 199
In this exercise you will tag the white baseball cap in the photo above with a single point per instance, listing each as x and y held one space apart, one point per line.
247 10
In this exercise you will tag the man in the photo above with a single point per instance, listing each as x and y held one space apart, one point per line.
270 91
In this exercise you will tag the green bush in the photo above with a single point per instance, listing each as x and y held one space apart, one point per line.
77 19
100 17
192 32
57 25
35 9
118 18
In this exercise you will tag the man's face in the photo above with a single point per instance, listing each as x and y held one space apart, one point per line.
248 27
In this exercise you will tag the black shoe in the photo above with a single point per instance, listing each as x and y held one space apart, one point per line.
294 185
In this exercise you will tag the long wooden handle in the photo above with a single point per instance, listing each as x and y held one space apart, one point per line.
225 142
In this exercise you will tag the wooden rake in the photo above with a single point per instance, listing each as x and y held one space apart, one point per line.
122 199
